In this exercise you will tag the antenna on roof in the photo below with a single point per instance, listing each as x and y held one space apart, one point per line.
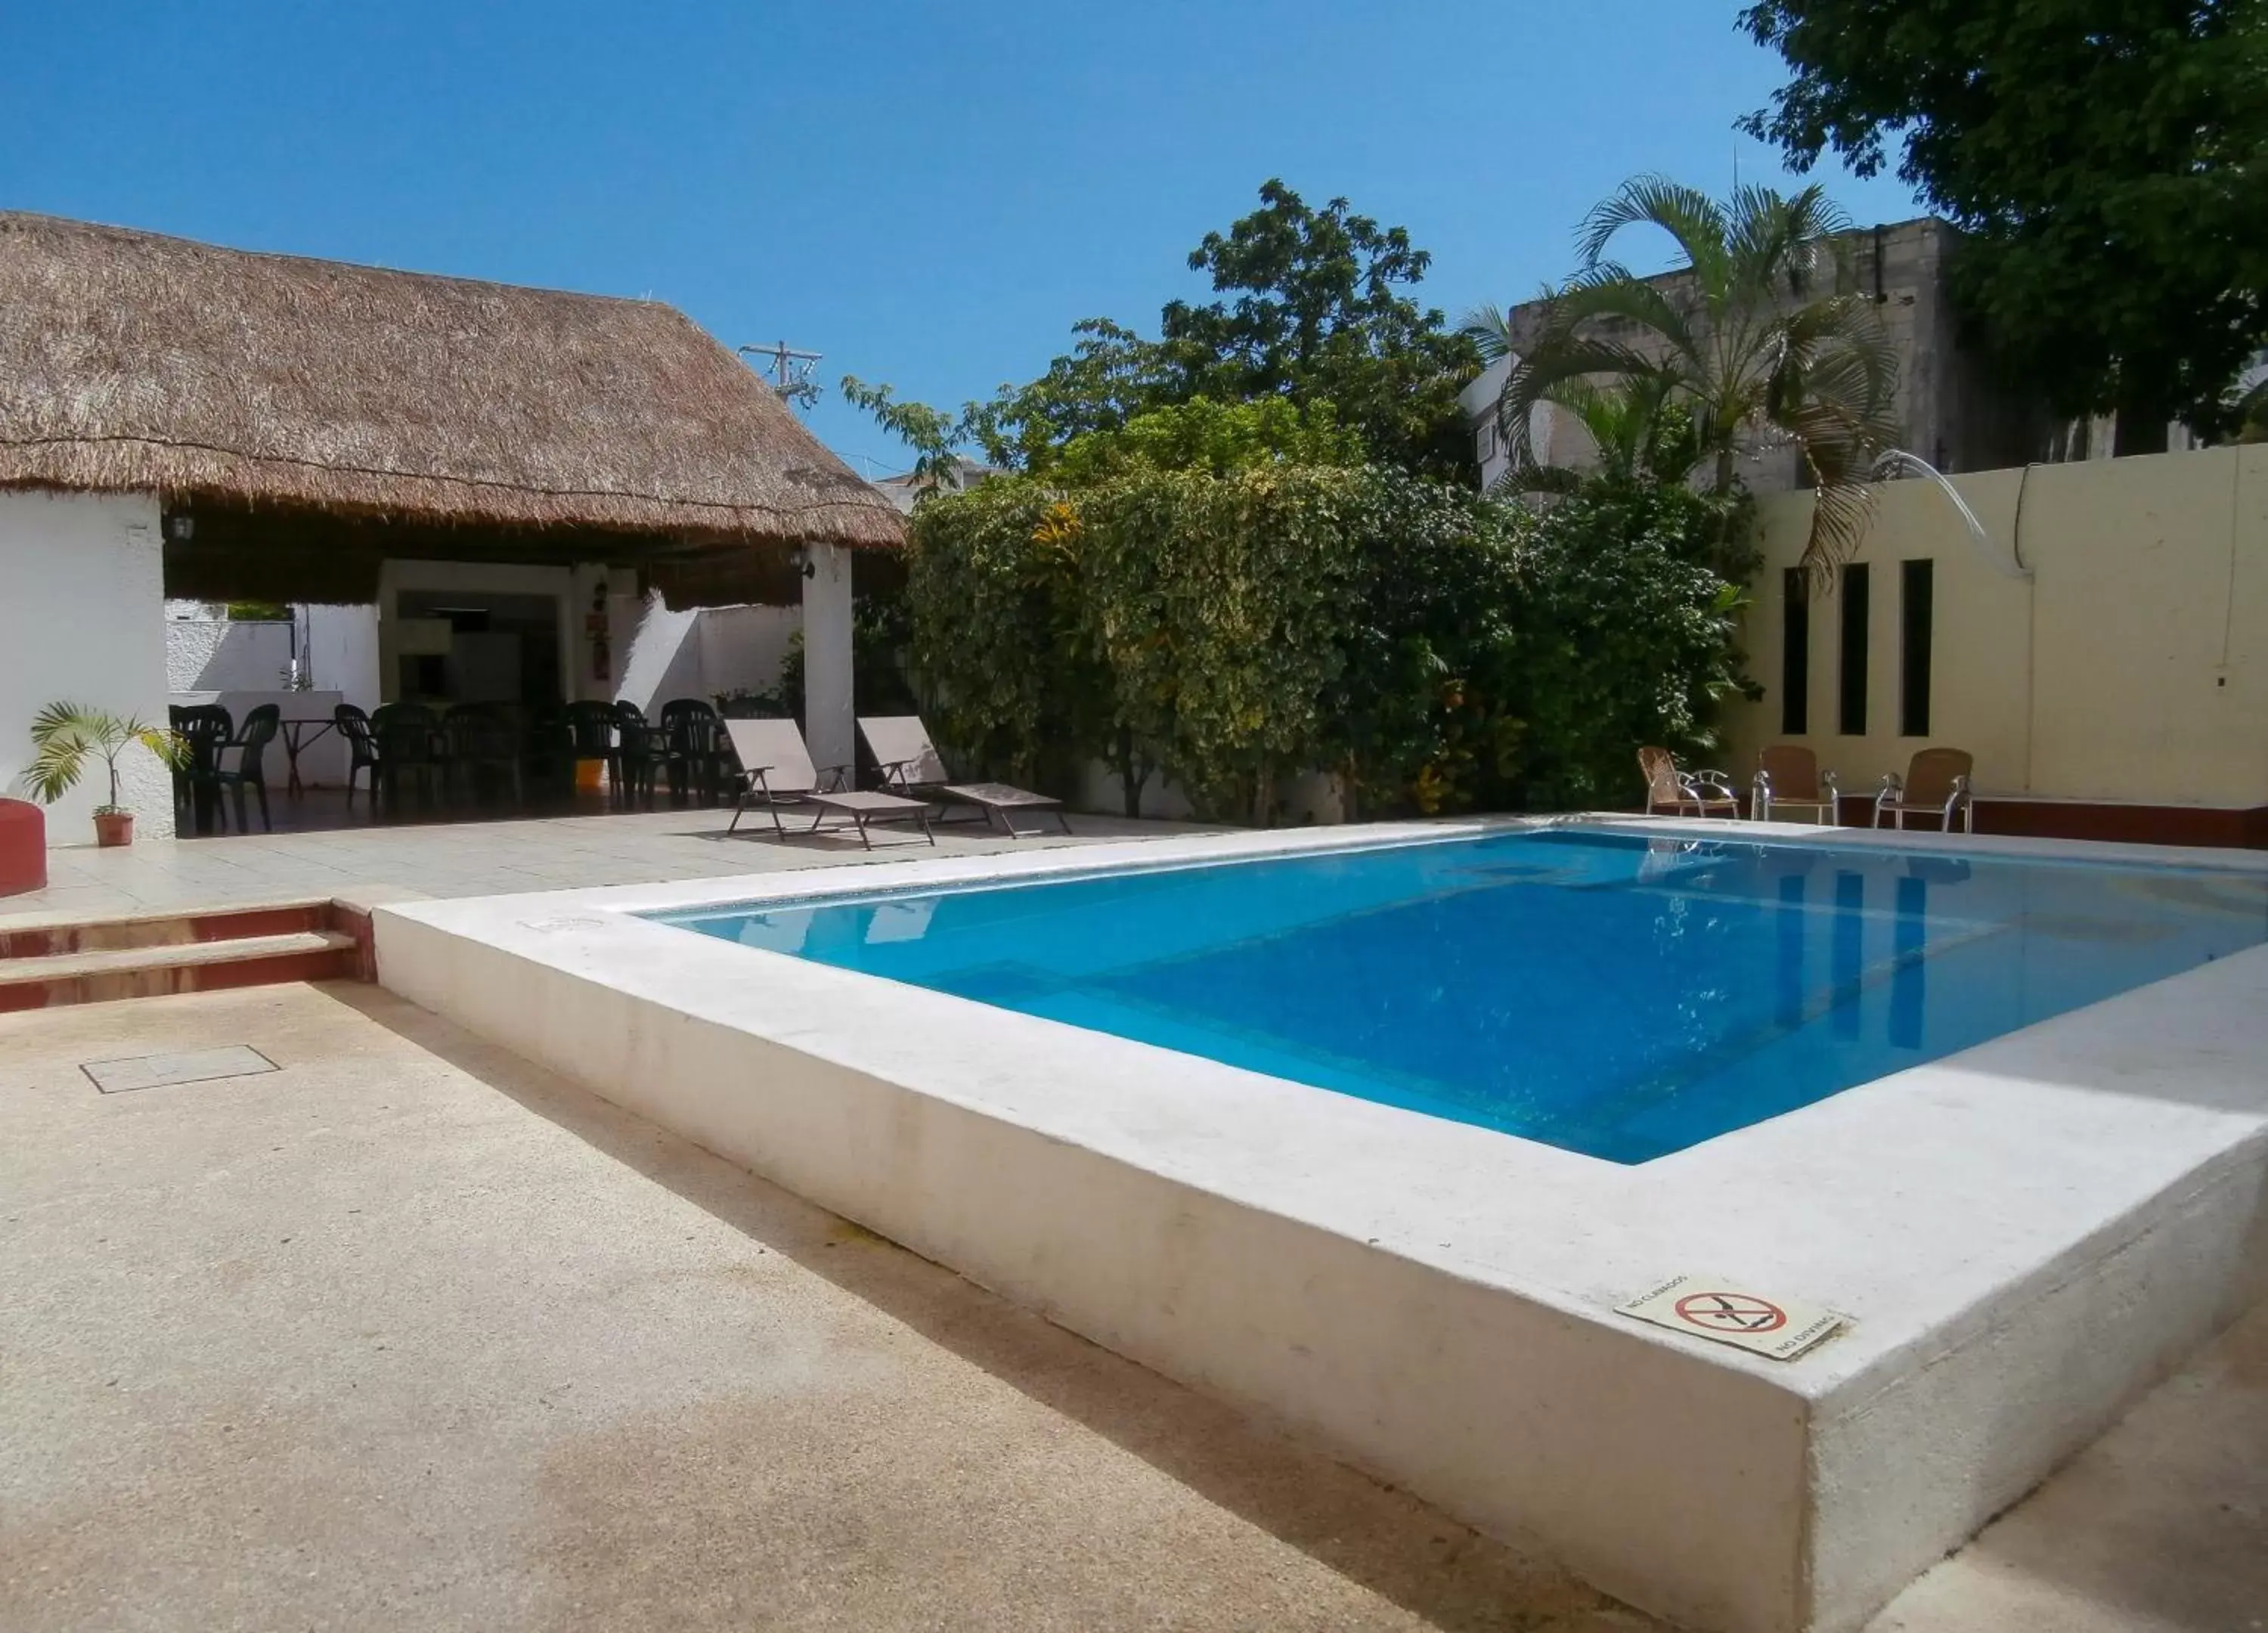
790 371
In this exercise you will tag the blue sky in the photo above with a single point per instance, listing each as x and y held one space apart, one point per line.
928 194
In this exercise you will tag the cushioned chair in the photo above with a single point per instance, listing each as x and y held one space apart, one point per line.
1789 773
1670 789
1936 783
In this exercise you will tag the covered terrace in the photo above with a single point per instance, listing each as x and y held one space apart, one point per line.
494 487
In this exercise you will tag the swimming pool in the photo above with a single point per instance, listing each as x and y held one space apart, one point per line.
1615 995
2021 1234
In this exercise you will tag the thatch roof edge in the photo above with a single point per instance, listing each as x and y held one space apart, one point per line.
136 362
181 470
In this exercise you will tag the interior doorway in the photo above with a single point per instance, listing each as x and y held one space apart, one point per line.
460 646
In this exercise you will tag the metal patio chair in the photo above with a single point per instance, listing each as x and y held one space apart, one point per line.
1789 773
1679 792
1936 783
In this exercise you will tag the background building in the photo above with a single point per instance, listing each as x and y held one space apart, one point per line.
1951 409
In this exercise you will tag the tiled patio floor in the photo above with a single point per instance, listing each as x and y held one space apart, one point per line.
473 859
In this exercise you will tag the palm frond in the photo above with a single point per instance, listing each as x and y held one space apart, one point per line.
1490 331
1548 369
66 736
1608 293
1841 513
56 767
1691 217
1528 477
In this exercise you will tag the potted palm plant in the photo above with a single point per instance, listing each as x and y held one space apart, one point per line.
65 736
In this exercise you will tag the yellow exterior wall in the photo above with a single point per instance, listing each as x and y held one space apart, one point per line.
2132 665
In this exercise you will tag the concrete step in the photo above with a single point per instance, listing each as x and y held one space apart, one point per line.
96 976
172 927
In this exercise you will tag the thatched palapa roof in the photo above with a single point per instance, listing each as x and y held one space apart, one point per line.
272 383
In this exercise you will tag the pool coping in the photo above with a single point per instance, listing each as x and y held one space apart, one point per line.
1955 1211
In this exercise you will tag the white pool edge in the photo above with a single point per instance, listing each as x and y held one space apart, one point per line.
1069 1174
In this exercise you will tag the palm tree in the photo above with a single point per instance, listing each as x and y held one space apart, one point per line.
65 737
1634 426
1765 343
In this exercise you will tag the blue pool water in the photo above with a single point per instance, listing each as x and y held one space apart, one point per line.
1612 994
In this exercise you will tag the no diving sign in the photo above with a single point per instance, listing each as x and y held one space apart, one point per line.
1719 1308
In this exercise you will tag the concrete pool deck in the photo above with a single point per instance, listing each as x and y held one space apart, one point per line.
2026 1235
471 859
410 1334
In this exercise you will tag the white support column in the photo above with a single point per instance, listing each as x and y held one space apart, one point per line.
829 724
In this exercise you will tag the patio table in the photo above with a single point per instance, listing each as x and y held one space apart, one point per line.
296 735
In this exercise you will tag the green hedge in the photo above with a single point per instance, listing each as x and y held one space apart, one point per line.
1440 650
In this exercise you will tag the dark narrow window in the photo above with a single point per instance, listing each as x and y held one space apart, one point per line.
1914 612
1794 653
1853 690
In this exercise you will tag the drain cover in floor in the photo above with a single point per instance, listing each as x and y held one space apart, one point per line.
157 1072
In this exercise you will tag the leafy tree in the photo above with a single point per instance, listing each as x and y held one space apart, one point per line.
1628 630
1205 434
1110 376
1765 340
1320 312
1439 649
2109 156
1321 315
935 436
1427 710
1638 430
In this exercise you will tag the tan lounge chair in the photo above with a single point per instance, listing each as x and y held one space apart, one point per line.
1684 793
776 770
910 765
1936 783
1789 773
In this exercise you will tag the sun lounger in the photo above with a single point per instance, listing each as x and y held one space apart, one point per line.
776 770
910 765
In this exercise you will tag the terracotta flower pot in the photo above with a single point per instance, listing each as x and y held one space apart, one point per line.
113 827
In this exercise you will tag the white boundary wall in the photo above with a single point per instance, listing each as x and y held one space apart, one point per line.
2130 666
703 651
2027 1234
82 621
